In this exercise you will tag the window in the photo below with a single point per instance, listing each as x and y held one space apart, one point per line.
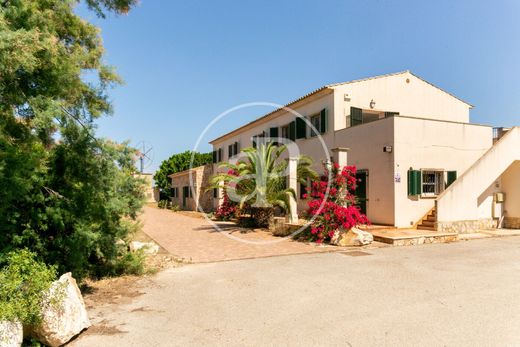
175 192
432 182
233 149
316 123
359 116
217 156
215 193
303 190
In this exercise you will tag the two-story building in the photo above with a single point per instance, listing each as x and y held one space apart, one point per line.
409 140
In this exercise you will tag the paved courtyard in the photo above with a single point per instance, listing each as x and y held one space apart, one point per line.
195 239
456 294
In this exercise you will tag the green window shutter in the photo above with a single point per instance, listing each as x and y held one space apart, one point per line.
323 121
230 151
235 148
292 131
273 132
214 157
301 128
414 182
452 176
356 116
219 157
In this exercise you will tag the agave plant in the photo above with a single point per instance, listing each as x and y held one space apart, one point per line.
259 180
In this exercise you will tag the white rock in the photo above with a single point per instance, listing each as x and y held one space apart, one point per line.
352 237
147 247
11 334
64 318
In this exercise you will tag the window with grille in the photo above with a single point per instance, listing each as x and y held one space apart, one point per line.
432 182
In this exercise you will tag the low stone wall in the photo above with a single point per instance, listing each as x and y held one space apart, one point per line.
425 240
511 223
466 226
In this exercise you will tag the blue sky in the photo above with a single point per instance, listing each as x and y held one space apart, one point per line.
185 62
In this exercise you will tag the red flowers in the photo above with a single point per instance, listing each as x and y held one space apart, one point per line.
334 208
227 209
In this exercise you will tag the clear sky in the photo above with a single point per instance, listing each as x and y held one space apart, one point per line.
185 62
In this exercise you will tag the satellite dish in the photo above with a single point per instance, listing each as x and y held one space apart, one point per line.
145 155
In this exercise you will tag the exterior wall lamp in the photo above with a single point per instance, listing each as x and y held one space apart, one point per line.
372 103
387 149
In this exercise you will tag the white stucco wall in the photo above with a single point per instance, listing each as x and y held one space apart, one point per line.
365 143
464 200
511 187
428 144
415 98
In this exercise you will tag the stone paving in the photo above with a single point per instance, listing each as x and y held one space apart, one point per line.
194 239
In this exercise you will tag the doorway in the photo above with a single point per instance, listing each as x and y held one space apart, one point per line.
361 190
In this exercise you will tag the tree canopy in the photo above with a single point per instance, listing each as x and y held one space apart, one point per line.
64 193
177 163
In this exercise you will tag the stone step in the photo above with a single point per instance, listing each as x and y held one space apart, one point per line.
428 223
425 227
412 237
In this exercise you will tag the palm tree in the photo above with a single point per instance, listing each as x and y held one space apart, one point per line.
259 180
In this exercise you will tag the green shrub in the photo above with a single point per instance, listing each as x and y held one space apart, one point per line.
175 208
162 203
23 282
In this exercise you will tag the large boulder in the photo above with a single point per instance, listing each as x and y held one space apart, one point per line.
11 334
351 237
147 247
64 313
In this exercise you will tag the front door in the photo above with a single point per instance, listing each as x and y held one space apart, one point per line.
185 192
361 190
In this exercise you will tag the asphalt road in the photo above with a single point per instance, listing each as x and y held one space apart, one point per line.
459 294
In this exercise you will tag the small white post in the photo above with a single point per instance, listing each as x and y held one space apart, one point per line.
293 184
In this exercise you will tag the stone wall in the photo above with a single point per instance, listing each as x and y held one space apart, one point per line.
201 198
512 222
466 226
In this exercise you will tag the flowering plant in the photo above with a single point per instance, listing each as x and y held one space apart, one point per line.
333 208
227 209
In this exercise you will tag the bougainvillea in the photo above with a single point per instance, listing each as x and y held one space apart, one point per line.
227 209
333 208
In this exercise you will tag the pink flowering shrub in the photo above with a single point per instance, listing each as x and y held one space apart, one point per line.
227 209
337 210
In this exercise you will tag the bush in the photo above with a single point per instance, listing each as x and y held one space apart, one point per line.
337 210
227 210
162 203
23 283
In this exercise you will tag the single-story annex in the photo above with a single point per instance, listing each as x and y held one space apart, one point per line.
420 161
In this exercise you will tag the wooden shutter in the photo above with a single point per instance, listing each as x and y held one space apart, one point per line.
219 157
356 116
301 128
273 132
292 131
414 182
323 121
452 176
230 151
214 157
235 148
